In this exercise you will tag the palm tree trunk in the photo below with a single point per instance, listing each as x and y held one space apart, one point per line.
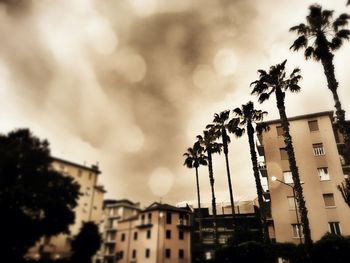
199 214
224 142
332 83
213 201
259 188
293 167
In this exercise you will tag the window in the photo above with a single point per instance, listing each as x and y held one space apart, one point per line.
181 253
149 218
142 218
167 253
291 203
328 200
148 234
181 235
334 228
147 253
279 130
119 255
297 230
168 234
313 125
134 253
287 176
135 235
323 173
123 237
283 153
79 172
168 218
318 149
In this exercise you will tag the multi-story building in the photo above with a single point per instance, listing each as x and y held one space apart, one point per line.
158 234
113 212
89 208
246 219
321 168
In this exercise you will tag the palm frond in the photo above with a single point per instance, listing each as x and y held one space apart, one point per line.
238 111
294 88
309 52
299 43
263 97
343 34
336 43
262 127
301 29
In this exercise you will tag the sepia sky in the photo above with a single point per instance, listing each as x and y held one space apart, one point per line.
130 83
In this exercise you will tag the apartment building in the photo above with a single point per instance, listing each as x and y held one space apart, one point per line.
160 233
203 241
89 208
113 212
317 146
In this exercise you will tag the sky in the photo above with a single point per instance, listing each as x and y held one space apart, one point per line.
128 84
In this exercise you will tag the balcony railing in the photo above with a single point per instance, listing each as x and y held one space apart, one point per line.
184 223
262 168
144 224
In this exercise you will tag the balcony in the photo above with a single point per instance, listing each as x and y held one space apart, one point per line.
144 224
260 148
184 224
262 168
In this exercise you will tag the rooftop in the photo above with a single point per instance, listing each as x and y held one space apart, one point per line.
305 116
92 168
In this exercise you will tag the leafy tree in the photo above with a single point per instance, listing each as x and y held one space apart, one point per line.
344 188
35 200
331 248
248 117
222 124
276 82
321 36
211 147
194 158
86 243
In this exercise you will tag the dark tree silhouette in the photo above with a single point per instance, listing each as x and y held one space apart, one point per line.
344 188
321 36
86 243
194 158
222 124
276 82
34 199
248 117
210 146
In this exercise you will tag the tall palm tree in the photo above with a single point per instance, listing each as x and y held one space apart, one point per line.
221 125
194 158
211 147
275 81
249 116
321 36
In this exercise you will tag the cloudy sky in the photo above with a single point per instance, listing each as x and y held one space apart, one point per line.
130 83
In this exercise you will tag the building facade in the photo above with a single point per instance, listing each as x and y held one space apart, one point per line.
113 212
89 208
160 233
246 221
321 169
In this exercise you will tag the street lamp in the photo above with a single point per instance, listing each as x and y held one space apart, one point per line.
274 179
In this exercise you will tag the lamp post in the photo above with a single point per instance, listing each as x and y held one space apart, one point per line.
274 179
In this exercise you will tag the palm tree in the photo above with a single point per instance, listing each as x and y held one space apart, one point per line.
275 81
344 188
222 124
248 117
194 158
321 36
210 146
